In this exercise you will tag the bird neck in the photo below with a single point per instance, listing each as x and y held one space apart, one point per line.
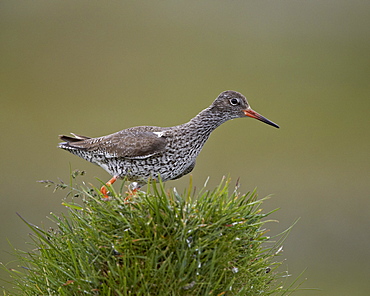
206 121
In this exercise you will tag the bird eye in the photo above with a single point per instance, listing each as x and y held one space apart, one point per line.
234 101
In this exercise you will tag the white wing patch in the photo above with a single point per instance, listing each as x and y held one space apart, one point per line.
159 134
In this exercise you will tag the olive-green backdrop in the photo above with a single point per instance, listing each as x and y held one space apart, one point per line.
95 67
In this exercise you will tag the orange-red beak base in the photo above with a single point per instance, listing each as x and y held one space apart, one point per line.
250 113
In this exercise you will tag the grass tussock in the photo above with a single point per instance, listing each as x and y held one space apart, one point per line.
158 242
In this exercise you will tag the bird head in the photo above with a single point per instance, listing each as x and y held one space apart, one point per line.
233 104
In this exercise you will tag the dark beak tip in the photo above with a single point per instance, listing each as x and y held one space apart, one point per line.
269 122
254 114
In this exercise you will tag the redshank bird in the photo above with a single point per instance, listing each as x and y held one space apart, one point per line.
149 152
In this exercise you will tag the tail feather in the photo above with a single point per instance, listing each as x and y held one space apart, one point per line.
80 137
69 141
75 138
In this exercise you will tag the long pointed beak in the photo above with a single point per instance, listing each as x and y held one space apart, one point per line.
250 113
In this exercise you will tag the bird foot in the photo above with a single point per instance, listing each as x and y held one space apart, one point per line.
104 190
131 193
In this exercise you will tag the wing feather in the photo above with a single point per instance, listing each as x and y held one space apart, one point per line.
138 142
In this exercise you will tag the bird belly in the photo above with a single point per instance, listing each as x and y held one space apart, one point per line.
155 167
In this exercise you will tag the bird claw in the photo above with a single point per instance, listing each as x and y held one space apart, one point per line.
104 190
130 193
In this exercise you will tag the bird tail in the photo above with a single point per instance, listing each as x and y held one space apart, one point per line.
75 138
68 139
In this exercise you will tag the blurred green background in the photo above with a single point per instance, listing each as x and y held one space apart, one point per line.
96 67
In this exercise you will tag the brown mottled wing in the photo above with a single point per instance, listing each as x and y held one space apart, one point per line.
129 143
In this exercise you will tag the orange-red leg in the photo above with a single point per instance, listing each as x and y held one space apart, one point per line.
131 193
104 189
